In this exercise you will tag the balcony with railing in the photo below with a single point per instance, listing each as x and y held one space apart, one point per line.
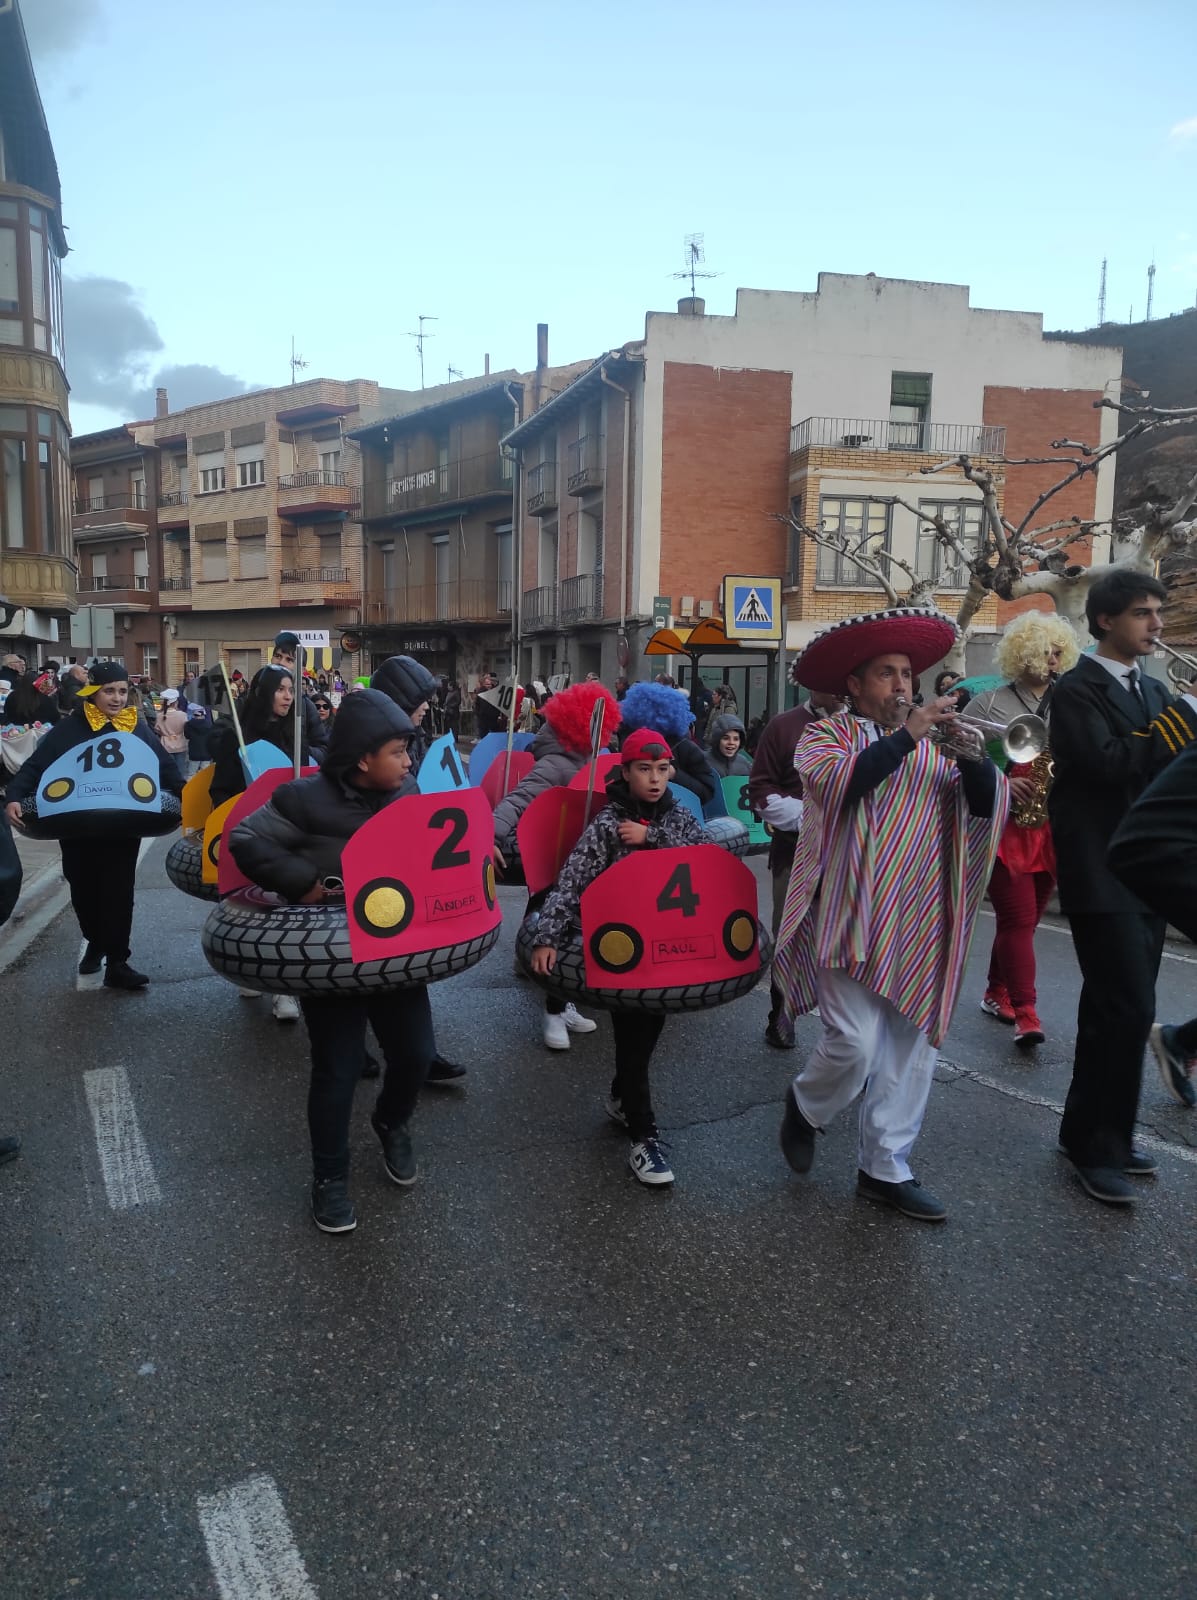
581 599
539 608
108 516
176 583
466 600
319 495
584 466
924 438
127 591
449 483
330 586
172 509
541 485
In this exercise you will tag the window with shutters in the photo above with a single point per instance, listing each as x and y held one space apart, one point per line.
909 410
214 560
251 557
210 466
250 461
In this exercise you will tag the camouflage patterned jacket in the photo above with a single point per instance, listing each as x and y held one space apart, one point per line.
669 826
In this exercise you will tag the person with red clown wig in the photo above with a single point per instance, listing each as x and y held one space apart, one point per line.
560 749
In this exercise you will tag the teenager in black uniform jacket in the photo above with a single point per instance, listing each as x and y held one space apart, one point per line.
1113 730
291 845
101 873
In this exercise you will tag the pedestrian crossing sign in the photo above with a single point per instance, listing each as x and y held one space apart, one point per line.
752 608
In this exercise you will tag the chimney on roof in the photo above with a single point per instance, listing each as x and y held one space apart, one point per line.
161 403
542 344
486 365
691 306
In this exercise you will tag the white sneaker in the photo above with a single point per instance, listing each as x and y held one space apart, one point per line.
647 1161
250 994
576 1022
556 1034
285 1008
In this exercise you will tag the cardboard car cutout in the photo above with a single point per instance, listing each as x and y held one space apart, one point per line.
490 746
442 769
228 875
664 918
197 799
735 792
503 776
421 876
260 757
113 780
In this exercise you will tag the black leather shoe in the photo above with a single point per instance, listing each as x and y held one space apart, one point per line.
779 1034
10 1148
910 1198
1139 1164
442 1073
797 1137
397 1154
332 1209
120 975
1107 1184
371 1068
93 960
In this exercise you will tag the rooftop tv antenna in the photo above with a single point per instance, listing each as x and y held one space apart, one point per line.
454 372
297 362
419 338
1101 296
1150 288
695 256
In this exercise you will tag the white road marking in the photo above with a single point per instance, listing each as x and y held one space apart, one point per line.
128 1172
1052 927
250 1545
1182 1152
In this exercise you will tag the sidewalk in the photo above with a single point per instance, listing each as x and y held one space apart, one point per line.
43 895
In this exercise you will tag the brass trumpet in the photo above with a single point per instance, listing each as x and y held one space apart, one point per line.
1022 739
1182 681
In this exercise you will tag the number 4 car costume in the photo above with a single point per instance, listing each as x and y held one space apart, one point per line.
99 784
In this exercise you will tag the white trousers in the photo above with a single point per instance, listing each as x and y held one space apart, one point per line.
868 1045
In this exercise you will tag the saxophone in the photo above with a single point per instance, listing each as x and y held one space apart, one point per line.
1032 813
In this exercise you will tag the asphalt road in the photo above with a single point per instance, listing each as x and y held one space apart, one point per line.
528 1376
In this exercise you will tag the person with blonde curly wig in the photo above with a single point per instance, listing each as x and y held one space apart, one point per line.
1036 647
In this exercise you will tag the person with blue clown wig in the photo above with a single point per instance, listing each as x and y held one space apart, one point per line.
653 705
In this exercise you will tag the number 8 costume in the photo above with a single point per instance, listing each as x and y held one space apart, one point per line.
895 850
100 848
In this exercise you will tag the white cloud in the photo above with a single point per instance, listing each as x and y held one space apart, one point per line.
1184 130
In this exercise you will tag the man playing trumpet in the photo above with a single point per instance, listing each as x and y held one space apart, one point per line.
901 837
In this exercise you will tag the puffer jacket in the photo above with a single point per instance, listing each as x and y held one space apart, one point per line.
409 684
554 767
739 765
669 825
296 838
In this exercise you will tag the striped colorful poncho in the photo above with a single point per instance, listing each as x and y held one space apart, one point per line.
902 874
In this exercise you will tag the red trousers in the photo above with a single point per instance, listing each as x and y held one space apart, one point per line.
1018 899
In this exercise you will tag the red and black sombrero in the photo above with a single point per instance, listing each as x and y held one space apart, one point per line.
924 635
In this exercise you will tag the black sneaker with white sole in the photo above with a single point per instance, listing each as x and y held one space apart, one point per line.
397 1154
1174 1067
332 1209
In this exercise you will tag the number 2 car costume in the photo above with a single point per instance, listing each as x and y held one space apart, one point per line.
99 783
419 903
902 840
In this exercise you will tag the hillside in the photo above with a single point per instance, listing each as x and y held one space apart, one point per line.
1162 358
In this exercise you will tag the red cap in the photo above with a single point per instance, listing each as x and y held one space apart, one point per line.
645 745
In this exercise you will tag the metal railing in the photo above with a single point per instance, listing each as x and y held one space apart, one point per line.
539 608
116 580
467 600
173 497
314 575
126 500
584 467
582 598
868 433
320 479
176 583
541 484
460 479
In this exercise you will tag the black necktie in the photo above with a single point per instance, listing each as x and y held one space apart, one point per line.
1132 683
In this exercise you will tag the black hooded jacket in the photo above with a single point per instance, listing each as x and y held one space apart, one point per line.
295 840
409 684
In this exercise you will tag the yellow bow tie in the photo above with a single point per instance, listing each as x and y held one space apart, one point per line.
124 721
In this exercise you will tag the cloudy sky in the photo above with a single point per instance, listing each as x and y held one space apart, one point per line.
251 170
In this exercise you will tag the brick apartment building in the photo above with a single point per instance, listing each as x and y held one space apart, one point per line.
672 461
438 520
37 572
